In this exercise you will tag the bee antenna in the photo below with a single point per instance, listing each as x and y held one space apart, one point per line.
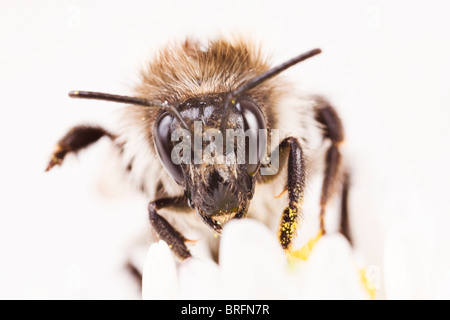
260 79
130 100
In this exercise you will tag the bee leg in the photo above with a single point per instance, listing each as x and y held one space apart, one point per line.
333 131
295 188
134 269
135 273
75 140
164 229
345 223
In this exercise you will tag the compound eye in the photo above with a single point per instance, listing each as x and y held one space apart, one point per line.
253 122
163 143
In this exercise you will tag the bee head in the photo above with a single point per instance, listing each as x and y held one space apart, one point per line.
213 160
202 144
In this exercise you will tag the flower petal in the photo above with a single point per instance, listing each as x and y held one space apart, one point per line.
252 262
199 279
159 278
408 262
330 272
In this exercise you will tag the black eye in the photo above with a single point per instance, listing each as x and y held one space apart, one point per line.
163 143
255 121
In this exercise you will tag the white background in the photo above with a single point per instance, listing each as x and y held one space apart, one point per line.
385 65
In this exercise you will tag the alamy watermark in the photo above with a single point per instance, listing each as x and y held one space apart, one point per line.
241 147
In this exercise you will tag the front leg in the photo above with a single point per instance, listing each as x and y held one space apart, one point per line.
295 187
77 139
164 229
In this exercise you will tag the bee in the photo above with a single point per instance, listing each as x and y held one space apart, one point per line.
227 84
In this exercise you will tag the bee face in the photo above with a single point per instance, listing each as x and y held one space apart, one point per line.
218 181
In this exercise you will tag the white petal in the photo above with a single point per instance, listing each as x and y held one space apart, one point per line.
252 262
407 262
330 272
159 279
199 279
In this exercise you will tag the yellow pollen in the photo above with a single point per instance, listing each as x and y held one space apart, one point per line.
303 253
368 285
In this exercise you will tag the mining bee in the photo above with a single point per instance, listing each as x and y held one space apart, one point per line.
227 84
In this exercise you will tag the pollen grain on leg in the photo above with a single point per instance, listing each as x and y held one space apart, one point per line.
289 225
